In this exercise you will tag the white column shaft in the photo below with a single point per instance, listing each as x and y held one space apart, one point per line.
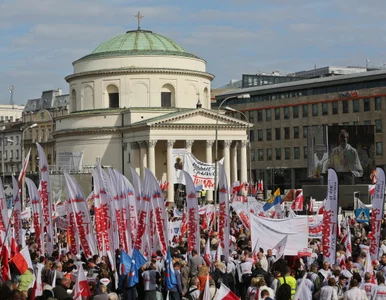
151 156
209 159
169 153
227 160
243 161
234 163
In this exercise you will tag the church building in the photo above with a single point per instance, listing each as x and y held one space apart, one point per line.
139 95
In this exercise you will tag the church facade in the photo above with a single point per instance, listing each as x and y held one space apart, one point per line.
139 95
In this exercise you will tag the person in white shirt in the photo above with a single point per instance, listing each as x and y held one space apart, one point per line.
328 292
263 261
325 273
367 286
355 293
379 292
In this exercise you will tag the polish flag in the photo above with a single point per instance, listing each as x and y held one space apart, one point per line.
297 205
321 209
22 260
207 256
226 294
311 206
280 247
371 189
5 274
81 288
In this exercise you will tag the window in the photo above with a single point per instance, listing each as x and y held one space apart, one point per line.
260 135
286 113
6 118
269 154
252 155
366 104
296 153
296 132
367 122
335 109
277 113
315 110
295 112
17 140
43 134
17 154
379 148
287 153
277 134
345 107
268 114
11 118
305 131
113 94
305 110
378 103
2 118
269 134
286 133
324 109
251 135
259 116
378 126
5 154
166 99
252 116
278 153
260 154
11 154
305 152
355 106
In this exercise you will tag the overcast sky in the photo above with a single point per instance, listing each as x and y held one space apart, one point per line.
41 38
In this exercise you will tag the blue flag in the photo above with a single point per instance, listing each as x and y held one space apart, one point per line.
171 280
137 262
125 263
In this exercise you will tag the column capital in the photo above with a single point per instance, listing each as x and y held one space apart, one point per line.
142 144
243 143
235 144
227 143
134 145
170 143
189 143
152 143
209 143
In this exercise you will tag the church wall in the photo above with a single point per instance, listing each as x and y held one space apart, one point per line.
84 121
142 90
138 61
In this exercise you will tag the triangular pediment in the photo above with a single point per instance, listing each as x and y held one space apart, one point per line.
196 116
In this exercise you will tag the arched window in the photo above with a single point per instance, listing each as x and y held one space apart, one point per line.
73 100
168 96
113 94
206 96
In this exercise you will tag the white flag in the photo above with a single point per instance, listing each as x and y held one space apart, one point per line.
280 247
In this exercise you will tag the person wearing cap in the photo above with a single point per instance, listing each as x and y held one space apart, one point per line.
354 293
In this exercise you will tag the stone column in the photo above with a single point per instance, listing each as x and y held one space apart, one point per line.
134 157
151 153
234 162
170 166
188 145
226 152
143 157
243 161
209 159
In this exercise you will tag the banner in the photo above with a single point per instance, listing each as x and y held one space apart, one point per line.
45 196
269 232
3 215
377 213
82 216
192 215
17 224
223 214
37 214
202 173
330 218
69 161
241 210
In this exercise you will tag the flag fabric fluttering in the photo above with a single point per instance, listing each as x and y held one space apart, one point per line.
270 202
206 294
224 293
22 260
81 288
280 247
138 260
298 203
171 280
125 263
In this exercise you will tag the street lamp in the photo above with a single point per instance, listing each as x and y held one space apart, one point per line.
22 160
2 156
249 139
242 96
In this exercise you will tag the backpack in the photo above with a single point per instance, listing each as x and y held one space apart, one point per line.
189 294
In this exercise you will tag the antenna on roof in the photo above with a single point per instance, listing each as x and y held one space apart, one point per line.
11 88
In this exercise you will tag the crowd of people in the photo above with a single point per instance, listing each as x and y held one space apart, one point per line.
249 274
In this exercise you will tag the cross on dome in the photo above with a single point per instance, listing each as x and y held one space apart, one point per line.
139 17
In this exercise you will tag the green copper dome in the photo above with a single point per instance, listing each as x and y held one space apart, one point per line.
138 42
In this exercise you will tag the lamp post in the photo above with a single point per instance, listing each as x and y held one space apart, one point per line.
22 160
249 139
2 155
245 96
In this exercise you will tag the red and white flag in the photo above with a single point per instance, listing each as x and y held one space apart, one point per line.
38 286
280 247
347 239
192 215
330 218
132 212
17 224
311 205
22 260
223 216
3 215
45 196
207 255
297 205
81 288
82 216
206 295
37 215
377 213
224 293
371 189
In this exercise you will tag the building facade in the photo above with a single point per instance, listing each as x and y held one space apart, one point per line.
135 98
10 113
282 114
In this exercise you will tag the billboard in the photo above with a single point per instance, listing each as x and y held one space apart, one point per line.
347 149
